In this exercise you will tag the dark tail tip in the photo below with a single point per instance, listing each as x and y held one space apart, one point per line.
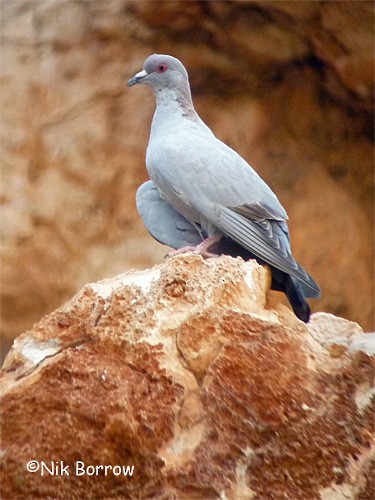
297 299
302 311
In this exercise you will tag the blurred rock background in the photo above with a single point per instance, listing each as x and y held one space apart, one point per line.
289 85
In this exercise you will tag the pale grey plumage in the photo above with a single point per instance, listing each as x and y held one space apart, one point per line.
205 181
163 222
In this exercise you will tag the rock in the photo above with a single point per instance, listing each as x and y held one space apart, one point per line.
288 85
185 372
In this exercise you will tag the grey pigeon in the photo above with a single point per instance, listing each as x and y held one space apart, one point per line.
202 194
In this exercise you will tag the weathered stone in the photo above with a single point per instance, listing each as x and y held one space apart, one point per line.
185 372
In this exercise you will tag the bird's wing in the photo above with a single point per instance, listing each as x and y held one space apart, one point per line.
194 163
269 240
163 222
207 176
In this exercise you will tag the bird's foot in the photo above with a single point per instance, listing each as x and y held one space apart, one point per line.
201 249
180 251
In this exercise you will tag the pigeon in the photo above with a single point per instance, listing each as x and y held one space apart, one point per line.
203 196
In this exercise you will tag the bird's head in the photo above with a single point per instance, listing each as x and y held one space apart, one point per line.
160 72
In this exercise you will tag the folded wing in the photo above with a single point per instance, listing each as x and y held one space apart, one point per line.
213 181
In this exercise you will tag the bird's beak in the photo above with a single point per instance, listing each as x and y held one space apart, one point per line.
137 78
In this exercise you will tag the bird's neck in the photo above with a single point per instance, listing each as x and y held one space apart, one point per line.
175 102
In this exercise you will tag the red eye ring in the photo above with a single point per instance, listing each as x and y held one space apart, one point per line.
162 68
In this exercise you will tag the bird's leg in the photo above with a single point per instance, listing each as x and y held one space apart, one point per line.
201 249
206 245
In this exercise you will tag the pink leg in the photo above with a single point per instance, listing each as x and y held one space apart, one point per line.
201 249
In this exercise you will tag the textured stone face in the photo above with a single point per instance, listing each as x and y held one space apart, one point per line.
186 373
287 85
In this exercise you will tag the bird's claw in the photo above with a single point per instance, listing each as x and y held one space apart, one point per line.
201 249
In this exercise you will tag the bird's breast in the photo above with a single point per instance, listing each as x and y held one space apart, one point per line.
163 167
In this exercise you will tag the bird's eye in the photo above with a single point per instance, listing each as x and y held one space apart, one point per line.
162 68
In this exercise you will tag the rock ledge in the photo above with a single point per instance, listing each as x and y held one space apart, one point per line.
185 373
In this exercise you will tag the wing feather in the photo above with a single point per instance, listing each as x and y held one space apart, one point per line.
248 234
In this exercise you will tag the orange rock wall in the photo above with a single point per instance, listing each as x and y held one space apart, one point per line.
288 85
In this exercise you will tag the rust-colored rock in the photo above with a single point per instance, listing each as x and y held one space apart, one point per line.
186 373
287 84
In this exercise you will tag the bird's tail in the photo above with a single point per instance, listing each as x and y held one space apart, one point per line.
297 299
294 292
